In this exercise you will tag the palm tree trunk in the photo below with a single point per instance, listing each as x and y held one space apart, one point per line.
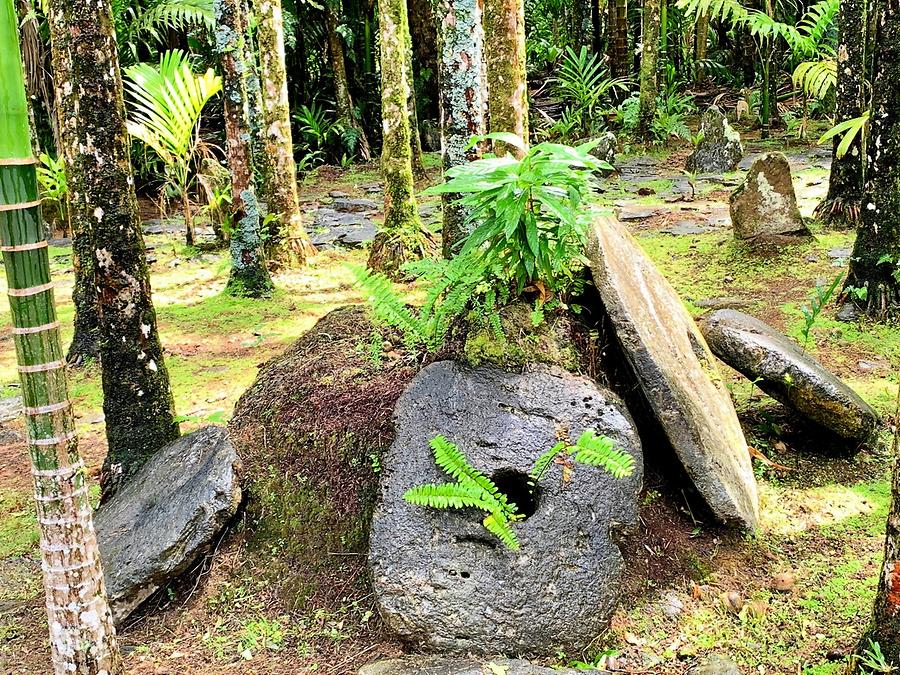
86 338
460 55
287 242
649 56
343 100
402 237
702 40
875 262
415 137
82 636
840 208
137 398
619 58
504 48
249 276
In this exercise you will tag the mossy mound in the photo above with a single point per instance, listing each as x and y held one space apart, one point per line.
311 430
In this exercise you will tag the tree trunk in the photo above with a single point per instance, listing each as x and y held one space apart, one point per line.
263 162
619 58
415 137
287 241
82 636
840 207
402 237
702 40
461 55
504 48
343 100
649 56
137 399
249 276
423 29
875 263
86 338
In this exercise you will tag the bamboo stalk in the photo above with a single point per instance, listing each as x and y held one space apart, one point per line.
82 636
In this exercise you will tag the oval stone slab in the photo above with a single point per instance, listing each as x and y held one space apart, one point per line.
441 580
786 372
677 372
435 665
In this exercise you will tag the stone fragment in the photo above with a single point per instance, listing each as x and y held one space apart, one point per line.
719 149
764 207
166 516
605 150
348 205
677 372
715 665
786 372
10 408
442 582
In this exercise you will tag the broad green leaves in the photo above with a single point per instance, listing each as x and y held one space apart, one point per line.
848 130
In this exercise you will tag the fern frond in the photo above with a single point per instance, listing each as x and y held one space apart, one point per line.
448 496
498 525
602 451
454 462
728 11
389 308
545 460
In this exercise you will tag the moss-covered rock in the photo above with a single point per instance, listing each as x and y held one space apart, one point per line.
311 430
514 340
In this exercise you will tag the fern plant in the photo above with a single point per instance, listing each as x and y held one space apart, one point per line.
472 489
51 175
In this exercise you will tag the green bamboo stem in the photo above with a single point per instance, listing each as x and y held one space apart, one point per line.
82 636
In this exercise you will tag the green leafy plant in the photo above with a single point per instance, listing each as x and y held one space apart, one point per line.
531 215
820 297
847 130
472 489
51 175
584 84
874 660
166 103
144 26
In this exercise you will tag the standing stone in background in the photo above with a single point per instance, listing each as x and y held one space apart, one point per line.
719 149
443 582
764 207
606 149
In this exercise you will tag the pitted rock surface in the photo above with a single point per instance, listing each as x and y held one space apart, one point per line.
676 370
720 149
764 207
169 513
433 665
442 582
786 372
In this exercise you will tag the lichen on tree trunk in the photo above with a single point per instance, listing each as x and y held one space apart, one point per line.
504 48
415 137
875 262
343 99
137 399
840 208
249 276
461 60
86 338
402 237
649 57
287 241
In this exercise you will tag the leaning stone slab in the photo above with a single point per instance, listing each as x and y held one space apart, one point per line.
764 207
441 581
159 522
676 371
434 665
719 149
786 372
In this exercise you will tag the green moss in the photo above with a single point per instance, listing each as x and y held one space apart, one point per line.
18 525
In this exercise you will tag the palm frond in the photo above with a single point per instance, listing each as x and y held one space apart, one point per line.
816 78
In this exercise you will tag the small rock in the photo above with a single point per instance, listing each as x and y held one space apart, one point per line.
715 665
869 366
10 408
786 372
346 205
722 303
637 213
840 254
731 601
783 582
161 520
687 228
10 437
848 313
671 605
337 194
764 208
719 149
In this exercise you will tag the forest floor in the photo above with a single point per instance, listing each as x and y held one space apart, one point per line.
693 588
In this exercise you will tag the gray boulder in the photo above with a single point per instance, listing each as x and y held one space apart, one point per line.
161 520
605 150
441 580
433 665
786 372
719 149
715 665
764 207
676 371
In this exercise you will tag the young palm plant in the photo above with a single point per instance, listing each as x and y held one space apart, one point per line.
82 637
166 102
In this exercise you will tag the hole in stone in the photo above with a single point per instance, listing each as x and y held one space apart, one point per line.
516 485
464 575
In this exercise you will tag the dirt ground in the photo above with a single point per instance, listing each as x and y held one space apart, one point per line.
792 598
